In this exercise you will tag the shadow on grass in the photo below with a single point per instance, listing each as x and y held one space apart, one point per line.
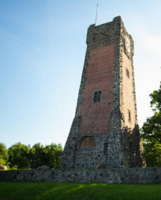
76 191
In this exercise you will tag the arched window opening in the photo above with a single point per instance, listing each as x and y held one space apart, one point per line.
87 142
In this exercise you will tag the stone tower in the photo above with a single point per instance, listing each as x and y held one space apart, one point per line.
104 132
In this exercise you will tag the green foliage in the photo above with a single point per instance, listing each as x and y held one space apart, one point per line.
15 167
37 156
19 154
22 156
48 155
152 152
53 153
3 154
151 132
156 100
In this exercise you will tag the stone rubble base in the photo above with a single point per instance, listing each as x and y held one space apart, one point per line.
118 175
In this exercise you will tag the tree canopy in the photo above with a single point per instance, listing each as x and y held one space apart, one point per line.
48 155
23 156
3 154
151 131
19 154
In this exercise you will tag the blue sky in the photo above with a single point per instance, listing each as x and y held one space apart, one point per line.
42 49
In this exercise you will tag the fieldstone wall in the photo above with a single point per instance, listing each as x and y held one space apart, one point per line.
119 175
68 158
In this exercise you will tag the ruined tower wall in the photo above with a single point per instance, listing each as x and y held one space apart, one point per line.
104 36
106 121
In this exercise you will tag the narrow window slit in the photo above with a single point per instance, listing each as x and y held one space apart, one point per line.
97 96
105 148
129 116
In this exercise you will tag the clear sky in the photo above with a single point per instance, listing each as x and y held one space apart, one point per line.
42 49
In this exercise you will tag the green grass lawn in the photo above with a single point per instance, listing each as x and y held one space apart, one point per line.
71 191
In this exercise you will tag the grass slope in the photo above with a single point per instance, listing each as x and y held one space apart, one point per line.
72 191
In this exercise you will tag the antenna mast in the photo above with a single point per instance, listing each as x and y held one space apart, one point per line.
96 14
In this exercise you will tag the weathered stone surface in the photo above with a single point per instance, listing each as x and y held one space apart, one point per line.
112 122
43 167
3 167
118 175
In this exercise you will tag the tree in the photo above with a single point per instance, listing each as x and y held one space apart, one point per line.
53 153
19 154
151 132
48 155
37 156
24 156
3 154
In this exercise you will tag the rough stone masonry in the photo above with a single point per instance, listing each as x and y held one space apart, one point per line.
119 175
104 132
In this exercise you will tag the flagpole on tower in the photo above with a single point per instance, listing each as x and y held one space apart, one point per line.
96 15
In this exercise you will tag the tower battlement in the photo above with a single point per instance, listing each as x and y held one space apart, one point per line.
107 31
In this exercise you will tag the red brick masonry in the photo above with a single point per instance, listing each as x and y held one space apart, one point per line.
95 116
